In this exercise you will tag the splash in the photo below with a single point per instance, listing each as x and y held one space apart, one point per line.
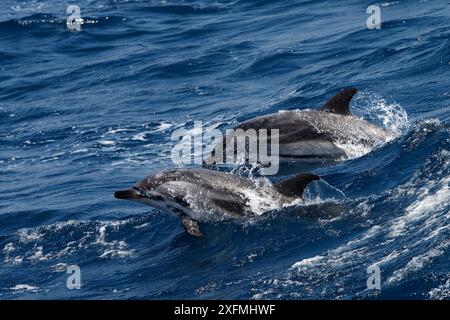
391 116
376 110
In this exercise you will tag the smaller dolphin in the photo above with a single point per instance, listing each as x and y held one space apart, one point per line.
208 196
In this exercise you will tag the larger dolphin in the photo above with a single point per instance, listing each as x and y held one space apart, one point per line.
329 133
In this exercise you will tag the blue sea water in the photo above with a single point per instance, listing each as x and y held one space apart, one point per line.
83 114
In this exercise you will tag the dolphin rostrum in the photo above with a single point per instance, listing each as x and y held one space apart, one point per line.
330 133
201 195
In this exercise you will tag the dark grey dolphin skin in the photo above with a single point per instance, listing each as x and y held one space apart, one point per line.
207 195
329 133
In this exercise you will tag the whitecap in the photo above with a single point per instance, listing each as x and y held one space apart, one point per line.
106 142
440 293
163 126
24 287
139 136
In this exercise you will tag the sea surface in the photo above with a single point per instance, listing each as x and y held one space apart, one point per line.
86 113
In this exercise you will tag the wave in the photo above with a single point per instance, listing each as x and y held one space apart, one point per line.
104 238
84 113
403 241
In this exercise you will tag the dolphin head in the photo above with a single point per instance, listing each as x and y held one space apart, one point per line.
162 191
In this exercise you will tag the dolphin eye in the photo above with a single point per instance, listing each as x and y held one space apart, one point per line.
181 202
157 198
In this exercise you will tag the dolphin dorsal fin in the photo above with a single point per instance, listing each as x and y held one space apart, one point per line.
294 186
340 103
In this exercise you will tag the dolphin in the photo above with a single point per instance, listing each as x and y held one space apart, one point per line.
201 195
329 133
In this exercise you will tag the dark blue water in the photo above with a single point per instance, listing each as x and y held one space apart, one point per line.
83 114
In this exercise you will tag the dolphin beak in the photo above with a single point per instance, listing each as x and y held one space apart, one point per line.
131 194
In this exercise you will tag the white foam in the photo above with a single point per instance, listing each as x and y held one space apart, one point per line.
442 292
118 130
388 4
427 204
391 116
27 235
139 136
418 262
30 247
106 142
38 255
77 151
308 262
163 126
373 108
8 250
113 248
59 267
24 287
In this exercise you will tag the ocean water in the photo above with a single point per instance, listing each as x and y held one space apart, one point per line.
83 114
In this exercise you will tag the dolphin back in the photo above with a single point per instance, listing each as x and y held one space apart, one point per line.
340 103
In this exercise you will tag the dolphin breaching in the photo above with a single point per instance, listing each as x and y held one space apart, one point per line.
329 133
202 195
